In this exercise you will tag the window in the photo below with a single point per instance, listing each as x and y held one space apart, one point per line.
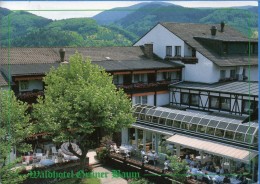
177 50
24 85
141 99
168 50
155 119
225 48
222 103
210 130
229 135
201 129
225 103
219 133
233 74
184 125
139 78
177 124
115 79
194 100
167 75
169 122
248 106
193 127
162 121
193 54
185 98
214 102
239 136
222 74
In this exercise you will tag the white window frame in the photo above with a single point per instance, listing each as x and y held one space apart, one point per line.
168 51
23 85
141 100
140 77
222 74
178 51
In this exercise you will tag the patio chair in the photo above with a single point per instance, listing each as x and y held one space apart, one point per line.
54 151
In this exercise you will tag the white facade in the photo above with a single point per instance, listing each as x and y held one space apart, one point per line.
205 71
161 37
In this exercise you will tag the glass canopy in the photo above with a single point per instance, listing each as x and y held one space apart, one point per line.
207 124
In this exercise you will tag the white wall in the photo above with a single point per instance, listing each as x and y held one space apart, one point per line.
204 71
161 37
162 99
253 73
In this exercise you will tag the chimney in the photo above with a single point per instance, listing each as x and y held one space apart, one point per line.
62 55
148 50
213 30
222 24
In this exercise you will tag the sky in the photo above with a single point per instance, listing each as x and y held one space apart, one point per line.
91 8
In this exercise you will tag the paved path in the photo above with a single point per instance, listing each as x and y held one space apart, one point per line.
109 180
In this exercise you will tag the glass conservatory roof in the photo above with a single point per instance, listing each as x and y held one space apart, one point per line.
215 125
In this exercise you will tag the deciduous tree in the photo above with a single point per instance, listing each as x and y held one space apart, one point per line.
79 97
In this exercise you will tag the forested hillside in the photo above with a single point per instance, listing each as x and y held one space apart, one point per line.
28 30
147 16
118 27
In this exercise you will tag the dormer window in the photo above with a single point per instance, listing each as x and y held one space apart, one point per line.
168 51
178 51
225 48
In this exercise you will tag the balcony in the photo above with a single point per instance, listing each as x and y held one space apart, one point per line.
185 59
155 86
30 96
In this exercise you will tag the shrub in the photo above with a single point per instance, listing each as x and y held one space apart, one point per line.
102 154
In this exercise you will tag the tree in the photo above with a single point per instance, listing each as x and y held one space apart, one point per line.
79 97
15 126
179 168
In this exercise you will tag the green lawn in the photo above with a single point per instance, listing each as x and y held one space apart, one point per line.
80 181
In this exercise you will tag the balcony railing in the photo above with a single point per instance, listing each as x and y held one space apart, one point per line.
146 85
185 59
30 96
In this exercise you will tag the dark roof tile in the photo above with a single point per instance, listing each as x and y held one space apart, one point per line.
189 31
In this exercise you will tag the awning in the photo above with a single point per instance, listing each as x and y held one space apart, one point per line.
214 148
152 129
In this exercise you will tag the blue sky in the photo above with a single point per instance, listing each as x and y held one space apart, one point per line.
95 7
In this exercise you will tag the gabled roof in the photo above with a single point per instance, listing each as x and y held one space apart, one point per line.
131 65
2 80
189 31
28 55
28 69
38 61
51 55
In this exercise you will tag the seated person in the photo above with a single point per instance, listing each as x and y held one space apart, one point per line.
192 163
212 168
226 180
199 165
200 174
220 170
206 178
207 167
187 158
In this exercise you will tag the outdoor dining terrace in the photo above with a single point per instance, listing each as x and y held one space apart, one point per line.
155 164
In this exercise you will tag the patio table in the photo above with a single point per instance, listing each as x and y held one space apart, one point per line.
125 148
